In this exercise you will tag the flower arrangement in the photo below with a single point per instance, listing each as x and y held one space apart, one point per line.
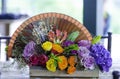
59 50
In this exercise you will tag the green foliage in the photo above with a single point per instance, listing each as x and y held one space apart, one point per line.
6 48
96 39
56 58
17 51
73 36
71 47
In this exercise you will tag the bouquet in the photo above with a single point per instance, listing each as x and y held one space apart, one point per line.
54 49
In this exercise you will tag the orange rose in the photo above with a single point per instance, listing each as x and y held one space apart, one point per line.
71 60
71 69
63 63
57 48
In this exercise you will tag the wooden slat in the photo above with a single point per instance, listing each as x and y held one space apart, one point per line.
38 72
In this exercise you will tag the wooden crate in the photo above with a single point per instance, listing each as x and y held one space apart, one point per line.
81 74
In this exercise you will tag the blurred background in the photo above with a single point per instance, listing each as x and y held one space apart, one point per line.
100 15
31 8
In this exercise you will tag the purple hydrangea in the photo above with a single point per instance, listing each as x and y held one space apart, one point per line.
84 43
29 49
88 62
102 57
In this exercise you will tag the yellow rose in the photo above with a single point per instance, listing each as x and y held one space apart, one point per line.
47 46
51 65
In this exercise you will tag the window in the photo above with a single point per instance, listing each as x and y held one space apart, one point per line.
73 8
0 6
113 8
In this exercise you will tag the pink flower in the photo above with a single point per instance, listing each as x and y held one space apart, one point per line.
64 36
34 60
57 36
51 36
42 60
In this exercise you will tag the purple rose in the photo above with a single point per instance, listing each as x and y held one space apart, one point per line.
42 60
88 62
34 60
84 43
83 52
29 49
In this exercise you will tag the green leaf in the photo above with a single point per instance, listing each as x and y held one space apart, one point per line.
96 39
55 63
52 55
73 36
6 48
71 47
58 59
